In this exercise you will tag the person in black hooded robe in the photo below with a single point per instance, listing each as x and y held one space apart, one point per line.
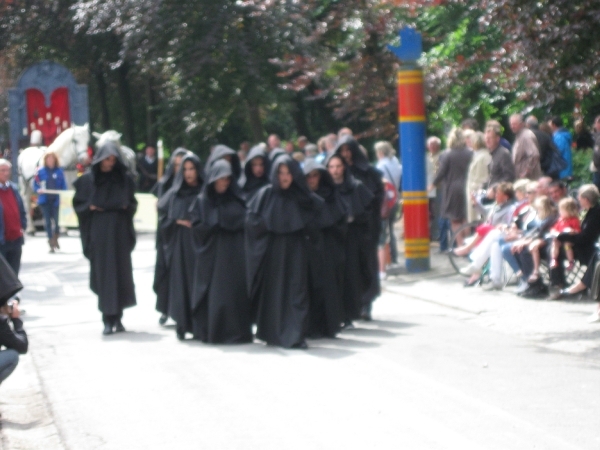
326 254
255 172
223 152
348 148
277 224
357 201
220 305
178 243
161 285
105 204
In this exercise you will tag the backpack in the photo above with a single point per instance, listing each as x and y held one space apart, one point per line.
390 199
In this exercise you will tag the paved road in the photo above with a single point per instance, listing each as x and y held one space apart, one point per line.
441 367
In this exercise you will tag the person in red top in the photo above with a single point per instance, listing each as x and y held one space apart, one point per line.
568 222
12 218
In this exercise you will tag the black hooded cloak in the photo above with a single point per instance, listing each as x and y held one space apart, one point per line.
161 285
372 180
357 201
107 233
277 226
249 183
178 244
222 152
326 258
220 305
166 181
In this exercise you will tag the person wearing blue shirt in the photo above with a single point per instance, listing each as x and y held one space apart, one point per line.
50 177
563 140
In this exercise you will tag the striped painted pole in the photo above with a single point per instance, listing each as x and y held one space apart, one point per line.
411 118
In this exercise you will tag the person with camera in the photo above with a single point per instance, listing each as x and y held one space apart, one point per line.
13 338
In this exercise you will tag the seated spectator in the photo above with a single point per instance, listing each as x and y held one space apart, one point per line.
568 222
582 242
519 256
557 190
498 220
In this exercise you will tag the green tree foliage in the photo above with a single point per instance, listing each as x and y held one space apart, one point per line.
200 71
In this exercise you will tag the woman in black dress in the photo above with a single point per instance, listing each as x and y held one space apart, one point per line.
357 201
220 305
277 225
161 285
326 254
105 204
178 244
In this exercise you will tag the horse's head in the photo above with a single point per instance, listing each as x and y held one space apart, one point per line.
81 140
107 136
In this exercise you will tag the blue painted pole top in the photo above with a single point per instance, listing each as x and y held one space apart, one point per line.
411 45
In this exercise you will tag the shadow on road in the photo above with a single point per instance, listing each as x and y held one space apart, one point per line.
134 336
19 426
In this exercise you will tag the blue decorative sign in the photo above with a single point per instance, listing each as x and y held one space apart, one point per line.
411 45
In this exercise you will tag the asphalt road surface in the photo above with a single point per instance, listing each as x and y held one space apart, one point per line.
440 367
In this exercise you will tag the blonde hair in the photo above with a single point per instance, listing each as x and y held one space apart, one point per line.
385 148
478 141
544 207
53 154
456 139
570 206
521 185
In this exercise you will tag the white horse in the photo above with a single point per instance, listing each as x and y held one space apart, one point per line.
127 154
70 146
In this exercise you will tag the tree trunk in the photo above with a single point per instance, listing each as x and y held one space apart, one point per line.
151 131
299 114
125 98
101 84
254 119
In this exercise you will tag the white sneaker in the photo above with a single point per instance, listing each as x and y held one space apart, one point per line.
469 270
594 318
522 286
382 276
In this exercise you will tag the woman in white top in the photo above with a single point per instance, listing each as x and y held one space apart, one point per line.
478 174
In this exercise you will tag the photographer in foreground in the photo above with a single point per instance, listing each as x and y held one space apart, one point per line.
14 339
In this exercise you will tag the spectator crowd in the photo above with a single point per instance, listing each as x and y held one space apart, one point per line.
518 195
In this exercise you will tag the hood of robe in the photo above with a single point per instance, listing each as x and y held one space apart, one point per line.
107 150
335 208
220 152
358 157
355 196
250 183
179 184
166 181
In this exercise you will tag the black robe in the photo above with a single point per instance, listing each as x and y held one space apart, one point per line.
107 233
357 201
178 245
220 305
249 183
326 254
161 284
277 225
372 180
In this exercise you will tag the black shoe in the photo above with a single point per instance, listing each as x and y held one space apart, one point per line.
348 325
536 291
564 294
365 313
180 335
163 319
119 328
108 329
